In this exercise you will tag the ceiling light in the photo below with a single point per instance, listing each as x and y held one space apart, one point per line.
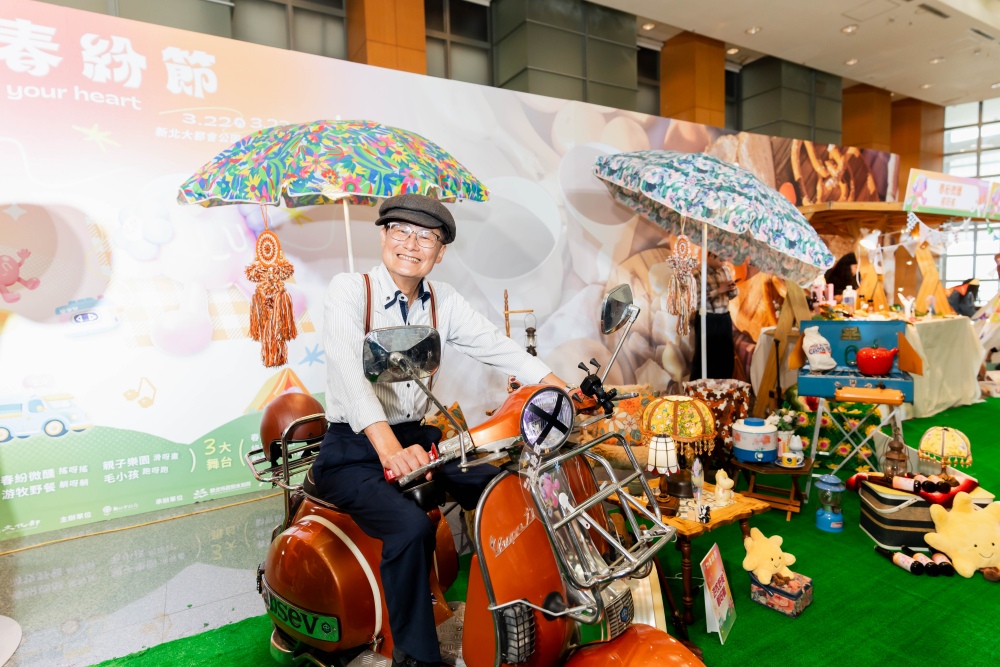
732 51
648 26
935 61
849 29
995 85
852 61
925 86
754 30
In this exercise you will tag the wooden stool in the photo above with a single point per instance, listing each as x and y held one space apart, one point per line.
789 500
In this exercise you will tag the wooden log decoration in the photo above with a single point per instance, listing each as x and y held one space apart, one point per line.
872 287
930 283
794 311
272 320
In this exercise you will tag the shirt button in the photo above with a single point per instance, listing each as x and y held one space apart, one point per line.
407 384
407 414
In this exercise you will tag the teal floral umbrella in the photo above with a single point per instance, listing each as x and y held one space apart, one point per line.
330 161
741 218
745 219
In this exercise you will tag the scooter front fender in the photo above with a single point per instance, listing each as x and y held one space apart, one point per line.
639 646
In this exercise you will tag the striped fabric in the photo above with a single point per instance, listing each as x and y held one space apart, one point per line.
352 399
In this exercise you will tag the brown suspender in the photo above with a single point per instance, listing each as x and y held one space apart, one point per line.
368 304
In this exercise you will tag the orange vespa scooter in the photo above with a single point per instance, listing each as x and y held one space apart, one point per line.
548 583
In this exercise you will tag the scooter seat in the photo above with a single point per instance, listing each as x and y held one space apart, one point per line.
426 494
309 485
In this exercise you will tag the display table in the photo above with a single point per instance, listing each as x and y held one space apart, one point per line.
951 352
741 510
788 500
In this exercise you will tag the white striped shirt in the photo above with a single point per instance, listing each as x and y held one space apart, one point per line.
351 398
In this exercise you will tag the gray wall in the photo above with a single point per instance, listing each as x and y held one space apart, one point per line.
783 99
566 48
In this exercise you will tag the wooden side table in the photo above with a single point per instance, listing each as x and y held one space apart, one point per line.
789 500
741 510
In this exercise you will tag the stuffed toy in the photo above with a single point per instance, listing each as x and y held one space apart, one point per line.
765 557
970 538
723 487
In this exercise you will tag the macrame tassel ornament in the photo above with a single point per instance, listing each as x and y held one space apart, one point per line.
272 321
681 289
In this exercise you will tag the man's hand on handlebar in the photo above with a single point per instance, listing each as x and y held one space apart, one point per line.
405 461
395 458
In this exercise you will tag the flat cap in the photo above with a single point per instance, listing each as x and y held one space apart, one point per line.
418 210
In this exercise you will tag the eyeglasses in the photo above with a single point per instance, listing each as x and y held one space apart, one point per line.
425 237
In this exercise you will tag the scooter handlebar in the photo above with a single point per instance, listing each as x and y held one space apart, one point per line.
390 476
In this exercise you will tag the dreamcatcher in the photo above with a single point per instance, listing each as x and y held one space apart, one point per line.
272 321
681 292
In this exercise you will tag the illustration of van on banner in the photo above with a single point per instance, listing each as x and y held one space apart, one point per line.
52 414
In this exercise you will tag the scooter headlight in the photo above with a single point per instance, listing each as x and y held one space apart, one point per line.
547 420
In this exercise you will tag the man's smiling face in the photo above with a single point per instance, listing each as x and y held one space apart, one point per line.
408 259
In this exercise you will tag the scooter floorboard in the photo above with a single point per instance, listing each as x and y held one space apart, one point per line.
449 638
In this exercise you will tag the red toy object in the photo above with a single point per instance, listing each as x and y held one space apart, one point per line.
965 483
875 360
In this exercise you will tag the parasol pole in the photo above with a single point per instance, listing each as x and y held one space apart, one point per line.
347 232
704 300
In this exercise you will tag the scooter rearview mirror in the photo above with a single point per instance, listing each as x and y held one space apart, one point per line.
615 309
397 354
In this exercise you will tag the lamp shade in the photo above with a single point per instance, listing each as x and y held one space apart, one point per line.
662 457
945 445
682 418
870 241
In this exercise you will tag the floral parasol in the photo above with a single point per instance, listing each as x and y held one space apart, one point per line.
746 219
326 161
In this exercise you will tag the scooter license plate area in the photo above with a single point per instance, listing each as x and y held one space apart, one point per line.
324 628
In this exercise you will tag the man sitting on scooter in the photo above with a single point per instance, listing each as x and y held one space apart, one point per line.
374 428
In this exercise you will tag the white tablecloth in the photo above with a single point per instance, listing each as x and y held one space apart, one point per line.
758 362
950 349
952 354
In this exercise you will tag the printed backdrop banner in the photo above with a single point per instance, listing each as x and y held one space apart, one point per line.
127 380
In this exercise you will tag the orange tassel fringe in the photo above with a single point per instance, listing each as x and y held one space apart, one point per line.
272 321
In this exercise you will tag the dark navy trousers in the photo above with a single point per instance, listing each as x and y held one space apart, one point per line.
348 474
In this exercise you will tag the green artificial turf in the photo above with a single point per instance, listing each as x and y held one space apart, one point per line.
865 610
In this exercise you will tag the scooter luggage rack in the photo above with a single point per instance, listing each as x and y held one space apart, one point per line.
633 562
280 474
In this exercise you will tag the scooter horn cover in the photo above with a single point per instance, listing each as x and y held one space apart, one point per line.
281 412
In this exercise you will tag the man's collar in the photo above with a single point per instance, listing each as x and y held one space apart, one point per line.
387 286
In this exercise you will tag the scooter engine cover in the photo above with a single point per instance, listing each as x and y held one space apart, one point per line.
318 572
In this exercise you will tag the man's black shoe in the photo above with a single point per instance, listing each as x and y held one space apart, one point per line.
400 659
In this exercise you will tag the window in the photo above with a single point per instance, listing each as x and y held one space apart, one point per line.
972 139
310 26
971 255
458 40
648 62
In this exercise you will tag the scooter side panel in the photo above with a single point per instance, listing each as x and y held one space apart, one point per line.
518 558
445 553
316 565
639 646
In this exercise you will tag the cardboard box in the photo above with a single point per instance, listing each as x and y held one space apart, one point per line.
895 518
789 599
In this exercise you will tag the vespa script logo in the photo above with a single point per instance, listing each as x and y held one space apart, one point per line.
498 545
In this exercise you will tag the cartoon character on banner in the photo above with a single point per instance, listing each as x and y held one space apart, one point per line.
10 274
